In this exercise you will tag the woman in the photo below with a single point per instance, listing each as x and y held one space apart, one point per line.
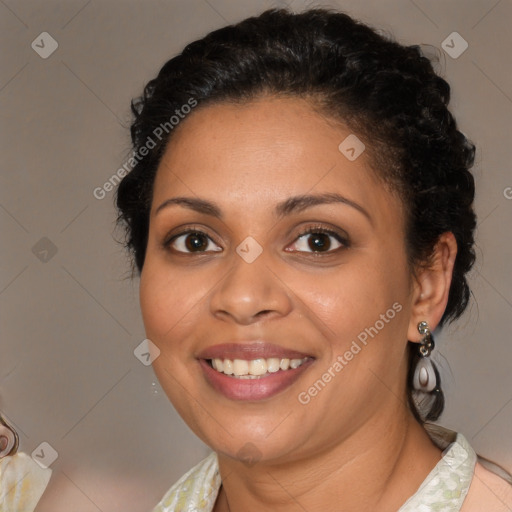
300 211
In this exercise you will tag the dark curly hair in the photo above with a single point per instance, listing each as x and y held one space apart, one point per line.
383 91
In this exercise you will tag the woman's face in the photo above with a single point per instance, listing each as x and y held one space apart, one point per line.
268 249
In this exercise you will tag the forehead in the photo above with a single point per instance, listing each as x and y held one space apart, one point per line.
262 151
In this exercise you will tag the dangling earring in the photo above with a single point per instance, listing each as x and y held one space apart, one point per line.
8 439
425 378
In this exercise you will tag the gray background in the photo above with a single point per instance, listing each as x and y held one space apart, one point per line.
70 320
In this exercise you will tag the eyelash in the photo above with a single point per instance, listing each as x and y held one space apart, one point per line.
324 231
188 231
308 231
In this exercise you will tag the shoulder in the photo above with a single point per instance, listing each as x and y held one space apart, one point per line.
488 492
195 490
460 482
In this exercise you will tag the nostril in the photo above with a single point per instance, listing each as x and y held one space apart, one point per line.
264 312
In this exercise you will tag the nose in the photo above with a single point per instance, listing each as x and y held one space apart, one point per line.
249 293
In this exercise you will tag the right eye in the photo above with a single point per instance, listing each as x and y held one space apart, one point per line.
194 241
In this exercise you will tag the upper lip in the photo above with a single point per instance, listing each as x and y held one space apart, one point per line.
249 351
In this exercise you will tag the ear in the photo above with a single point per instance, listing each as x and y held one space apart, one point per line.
432 287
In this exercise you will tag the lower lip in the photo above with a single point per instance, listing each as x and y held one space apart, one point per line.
252 389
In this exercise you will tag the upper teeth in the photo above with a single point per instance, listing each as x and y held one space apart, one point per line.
255 367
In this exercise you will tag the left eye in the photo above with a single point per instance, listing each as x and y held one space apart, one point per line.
194 242
317 242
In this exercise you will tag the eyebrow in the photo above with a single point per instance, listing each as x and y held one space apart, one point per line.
291 205
192 203
299 203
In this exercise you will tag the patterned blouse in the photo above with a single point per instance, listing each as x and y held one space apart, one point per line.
444 489
22 483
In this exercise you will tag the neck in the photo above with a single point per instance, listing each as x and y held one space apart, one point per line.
376 468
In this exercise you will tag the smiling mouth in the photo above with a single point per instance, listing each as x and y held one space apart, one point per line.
255 368
252 370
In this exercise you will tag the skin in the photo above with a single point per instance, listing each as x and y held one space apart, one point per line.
355 443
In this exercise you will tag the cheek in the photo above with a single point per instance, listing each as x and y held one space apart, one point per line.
351 299
166 293
167 306
154 302
165 300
